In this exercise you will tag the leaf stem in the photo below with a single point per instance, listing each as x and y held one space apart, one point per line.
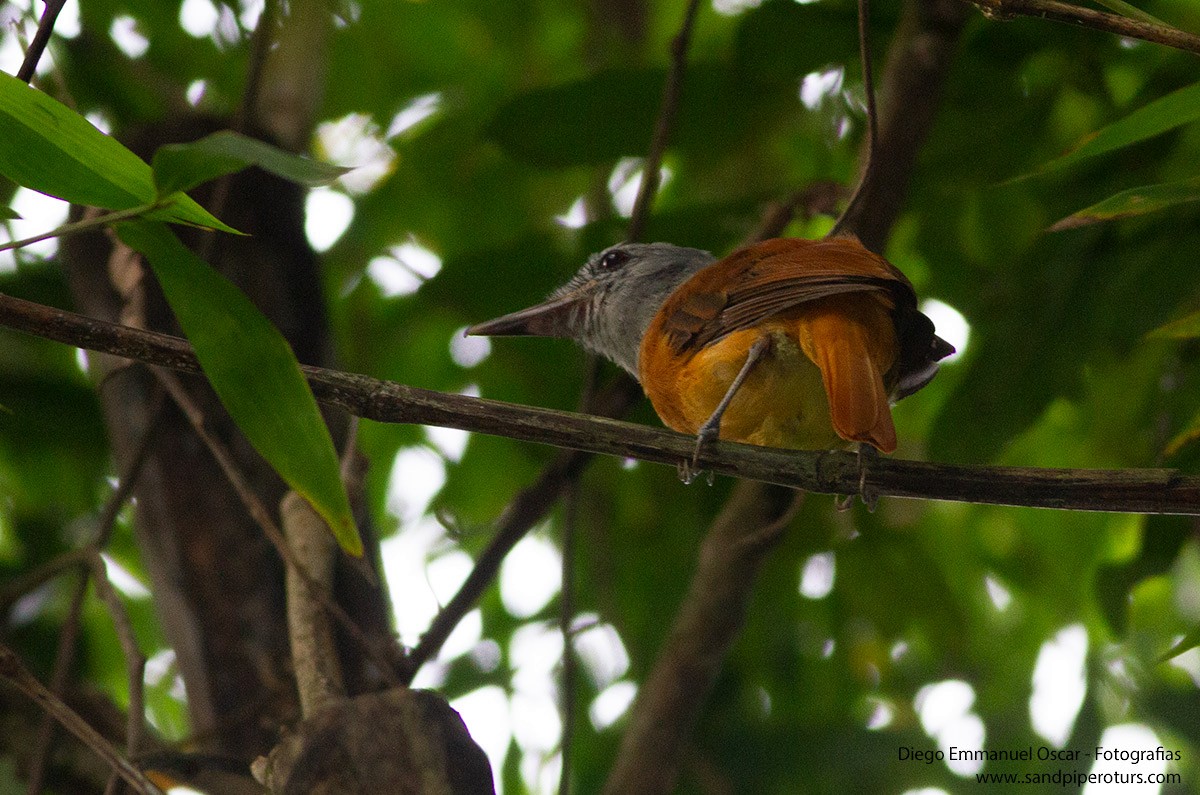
87 225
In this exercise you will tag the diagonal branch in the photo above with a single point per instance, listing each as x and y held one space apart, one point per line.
1071 14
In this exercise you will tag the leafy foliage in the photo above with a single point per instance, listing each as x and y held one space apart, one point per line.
533 108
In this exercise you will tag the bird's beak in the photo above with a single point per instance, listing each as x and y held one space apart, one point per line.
558 317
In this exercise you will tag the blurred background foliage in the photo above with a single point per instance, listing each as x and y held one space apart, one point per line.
495 140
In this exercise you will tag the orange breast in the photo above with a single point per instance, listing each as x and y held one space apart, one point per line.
820 380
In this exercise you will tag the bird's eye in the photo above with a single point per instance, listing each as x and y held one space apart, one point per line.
614 259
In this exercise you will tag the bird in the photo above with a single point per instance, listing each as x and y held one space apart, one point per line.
788 342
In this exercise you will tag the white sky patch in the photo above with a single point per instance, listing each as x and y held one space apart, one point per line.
39 214
195 92
817 575
327 214
11 52
450 442
468 351
828 648
537 727
464 637
403 269
354 141
198 18
534 651
100 121
81 360
404 557
1059 684
251 11
447 572
611 703
1188 662
1001 597
541 773
485 711
945 712
123 580
575 217
816 87
125 34
67 25
603 654
626 180
882 714
950 324
1126 737
729 8
418 473
899 649
530 576
412 114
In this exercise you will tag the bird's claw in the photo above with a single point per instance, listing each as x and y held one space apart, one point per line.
689 470
868 494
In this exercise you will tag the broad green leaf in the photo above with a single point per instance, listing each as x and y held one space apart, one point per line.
50 148
1189 641
181 167
1166 113
1135 201
253 371
1185 328
179 208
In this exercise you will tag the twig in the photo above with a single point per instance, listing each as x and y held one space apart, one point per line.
64 656
1121 491
314 654
88 225
262 517
15 672
40 39
663 127
849 219
709 619
135 661
1089 18
566 617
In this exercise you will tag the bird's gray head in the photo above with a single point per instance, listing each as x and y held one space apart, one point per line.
608 305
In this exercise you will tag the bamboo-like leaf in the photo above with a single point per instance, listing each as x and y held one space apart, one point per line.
1166 113
1131 11
1135 201
50 148
181 167
253 371
1185 328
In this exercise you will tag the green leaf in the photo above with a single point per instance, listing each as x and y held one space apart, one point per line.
50 148
1185 328
179 208
1185 438
9 214
1135 201
1174 110
1189 641
181 167
1131 11
253 371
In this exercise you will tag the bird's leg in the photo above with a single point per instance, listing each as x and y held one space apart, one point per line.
866 455
711 428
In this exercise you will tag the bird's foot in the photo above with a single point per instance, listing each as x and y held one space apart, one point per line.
689 470
868 494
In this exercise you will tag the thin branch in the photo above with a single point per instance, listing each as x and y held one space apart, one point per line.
663 127
709 619
16 673
135 661
262 517
40 39
566 617
849 219
1163 491
88 225
1086 17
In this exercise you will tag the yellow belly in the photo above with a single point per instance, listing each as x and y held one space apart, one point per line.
781 404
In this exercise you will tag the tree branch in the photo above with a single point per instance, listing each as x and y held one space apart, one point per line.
829 472
40 39
668 110
16 673
709 619
1088 18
